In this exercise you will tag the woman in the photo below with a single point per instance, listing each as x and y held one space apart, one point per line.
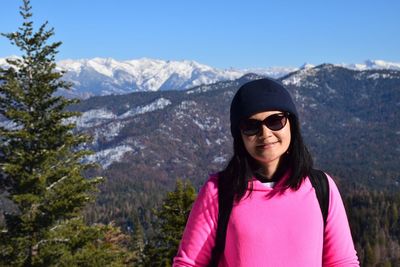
270 215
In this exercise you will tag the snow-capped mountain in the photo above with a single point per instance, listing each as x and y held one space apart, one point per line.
107 76
372 64
273 72
100 76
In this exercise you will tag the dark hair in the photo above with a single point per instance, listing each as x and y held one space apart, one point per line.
233 181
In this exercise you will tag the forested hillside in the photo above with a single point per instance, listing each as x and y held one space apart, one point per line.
375 225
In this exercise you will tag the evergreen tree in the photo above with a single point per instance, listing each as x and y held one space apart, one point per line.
41 169
138 244
172 218
99 245
370 258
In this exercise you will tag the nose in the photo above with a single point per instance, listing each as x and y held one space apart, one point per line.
265 131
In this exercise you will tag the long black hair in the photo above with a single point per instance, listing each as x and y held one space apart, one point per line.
233 181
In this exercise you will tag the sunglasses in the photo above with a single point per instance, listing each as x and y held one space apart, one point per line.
273 122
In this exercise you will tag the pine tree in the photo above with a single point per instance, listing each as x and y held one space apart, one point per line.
138 244
370 258
41 169
172 218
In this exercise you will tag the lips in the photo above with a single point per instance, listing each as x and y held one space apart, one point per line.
267 145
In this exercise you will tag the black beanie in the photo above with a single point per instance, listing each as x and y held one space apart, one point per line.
259 96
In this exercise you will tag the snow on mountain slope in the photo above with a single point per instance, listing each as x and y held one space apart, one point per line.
274 72
372 64
157 104
106 76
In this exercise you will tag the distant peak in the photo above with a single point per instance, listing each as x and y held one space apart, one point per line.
381 64
307 66
372 64
250 77
325 66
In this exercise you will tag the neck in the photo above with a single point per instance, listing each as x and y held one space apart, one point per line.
270 172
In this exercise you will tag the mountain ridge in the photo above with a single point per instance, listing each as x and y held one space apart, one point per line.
107 76
337 94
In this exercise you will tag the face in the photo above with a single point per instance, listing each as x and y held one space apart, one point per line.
267 146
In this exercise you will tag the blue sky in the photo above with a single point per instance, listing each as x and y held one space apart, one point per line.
223 34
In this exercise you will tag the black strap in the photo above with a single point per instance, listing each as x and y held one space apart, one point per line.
321 186
225 204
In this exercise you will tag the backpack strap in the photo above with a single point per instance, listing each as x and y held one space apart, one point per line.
320 183
225 204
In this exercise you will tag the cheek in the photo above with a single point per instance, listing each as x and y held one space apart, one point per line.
247 141
286 138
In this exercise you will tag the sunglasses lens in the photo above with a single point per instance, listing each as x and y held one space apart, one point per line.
276 122
250 127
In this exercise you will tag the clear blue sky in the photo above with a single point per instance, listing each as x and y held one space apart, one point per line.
222 34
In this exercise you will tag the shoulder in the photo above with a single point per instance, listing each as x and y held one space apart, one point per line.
335 197
333 188
210 187
213 180
318 174
324 184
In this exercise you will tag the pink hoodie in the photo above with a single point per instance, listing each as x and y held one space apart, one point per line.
268 229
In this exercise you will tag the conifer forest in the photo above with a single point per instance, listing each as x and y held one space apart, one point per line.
53 210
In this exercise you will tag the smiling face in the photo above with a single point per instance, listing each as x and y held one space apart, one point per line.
268 146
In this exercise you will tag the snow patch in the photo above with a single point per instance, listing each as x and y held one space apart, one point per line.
10 125
273 72
108 132
220 141
300 78
187 105
208 123
379 75
219 159
182 111
157 104
206 88
108 156
139 145
91 118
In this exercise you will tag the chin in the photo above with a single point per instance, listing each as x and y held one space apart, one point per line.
266 161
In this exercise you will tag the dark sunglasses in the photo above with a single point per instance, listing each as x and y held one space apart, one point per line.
273 122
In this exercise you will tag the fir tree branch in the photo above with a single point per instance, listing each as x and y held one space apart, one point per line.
56 182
